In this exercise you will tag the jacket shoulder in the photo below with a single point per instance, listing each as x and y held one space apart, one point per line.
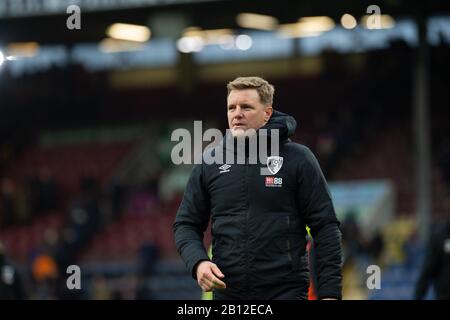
298 150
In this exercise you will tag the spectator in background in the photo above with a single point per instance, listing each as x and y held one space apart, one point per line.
43 195
147 260
375 245
45 273
436 266
148 257
48 190
117 192
7 209
99 288
11 286
15 202
351 237
444 160
82 222
23 207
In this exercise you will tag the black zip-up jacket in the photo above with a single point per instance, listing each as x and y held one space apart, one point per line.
258 223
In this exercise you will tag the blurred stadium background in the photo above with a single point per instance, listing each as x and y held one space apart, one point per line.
86 116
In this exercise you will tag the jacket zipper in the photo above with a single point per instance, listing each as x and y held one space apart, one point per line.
288 241
246 223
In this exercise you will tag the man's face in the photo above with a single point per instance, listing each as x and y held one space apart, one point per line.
245 111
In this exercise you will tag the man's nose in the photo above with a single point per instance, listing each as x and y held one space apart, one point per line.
238 113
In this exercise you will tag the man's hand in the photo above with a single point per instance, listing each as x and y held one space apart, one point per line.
208 275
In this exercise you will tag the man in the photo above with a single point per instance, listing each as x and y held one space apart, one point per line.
436 266
258 226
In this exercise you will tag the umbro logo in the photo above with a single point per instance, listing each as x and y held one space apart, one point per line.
224 168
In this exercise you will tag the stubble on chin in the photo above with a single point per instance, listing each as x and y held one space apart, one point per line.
243 133
238 132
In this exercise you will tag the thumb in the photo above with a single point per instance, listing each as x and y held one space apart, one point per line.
217 271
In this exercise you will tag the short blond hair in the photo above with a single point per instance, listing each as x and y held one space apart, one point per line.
265 89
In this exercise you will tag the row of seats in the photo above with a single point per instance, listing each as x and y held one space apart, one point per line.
23 239
123 239
68 163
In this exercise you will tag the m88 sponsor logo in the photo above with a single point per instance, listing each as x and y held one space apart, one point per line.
274 182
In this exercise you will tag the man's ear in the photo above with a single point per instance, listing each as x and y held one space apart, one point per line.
268 113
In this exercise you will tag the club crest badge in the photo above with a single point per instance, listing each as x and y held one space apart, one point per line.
274 164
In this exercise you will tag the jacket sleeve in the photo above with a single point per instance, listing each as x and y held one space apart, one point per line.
191 221
317 208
